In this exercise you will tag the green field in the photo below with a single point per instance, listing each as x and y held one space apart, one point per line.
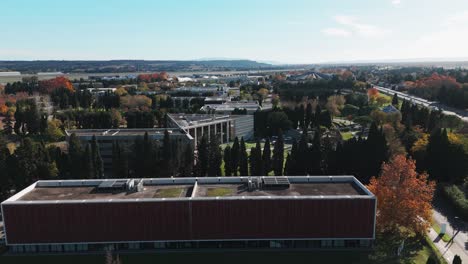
213 192
169 193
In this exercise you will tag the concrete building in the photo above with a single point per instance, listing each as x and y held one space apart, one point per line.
229 106
226 126
106 137
306 212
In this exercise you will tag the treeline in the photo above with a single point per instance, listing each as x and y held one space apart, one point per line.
269 123
315 155
65 98
452 96
320 88
90 119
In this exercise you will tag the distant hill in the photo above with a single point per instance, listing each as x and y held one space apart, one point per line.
116 66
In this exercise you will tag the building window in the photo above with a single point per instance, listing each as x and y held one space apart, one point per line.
159 245
339 243
69 247
326 243
133 245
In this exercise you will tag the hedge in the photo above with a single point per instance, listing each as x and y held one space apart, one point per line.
457 197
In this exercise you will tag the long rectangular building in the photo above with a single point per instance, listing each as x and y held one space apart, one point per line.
226 127
190 213
106 137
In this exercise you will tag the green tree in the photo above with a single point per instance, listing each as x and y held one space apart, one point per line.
278 155
214 156
243 159
168 156
5 180
395 100
457 260
235 153
187 164
266 157
96 158
202 160
75 154
8 124
228 161
256 162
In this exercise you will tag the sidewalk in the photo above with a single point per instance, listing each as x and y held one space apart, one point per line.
448 249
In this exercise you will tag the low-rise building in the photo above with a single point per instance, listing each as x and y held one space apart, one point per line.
106 137
227 127
305 212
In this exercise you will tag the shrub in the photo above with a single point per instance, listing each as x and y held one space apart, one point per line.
457 197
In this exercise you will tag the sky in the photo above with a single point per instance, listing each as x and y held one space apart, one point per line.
285 31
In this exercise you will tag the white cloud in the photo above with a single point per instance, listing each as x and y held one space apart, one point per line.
336 32
396 2
354 26
457 19
448 40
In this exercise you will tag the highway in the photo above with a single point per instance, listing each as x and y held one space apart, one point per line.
447 110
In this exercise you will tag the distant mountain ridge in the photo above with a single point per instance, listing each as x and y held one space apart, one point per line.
116 66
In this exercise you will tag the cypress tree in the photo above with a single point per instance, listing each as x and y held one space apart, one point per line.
96 159
308 117
302 156
202 161
278 155
167 155
235 152
316 116
395 100
214 156
8 124
75 159
243 159
228 161
288 166
293 155
301 116
256 162
315 166
187 164
266 157
88 162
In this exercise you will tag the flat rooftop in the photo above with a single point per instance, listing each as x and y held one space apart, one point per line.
193 188
124 132
184 120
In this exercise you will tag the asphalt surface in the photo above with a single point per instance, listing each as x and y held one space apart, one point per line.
443 213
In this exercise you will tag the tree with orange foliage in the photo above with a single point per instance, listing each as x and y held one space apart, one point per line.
48 86
403 197
373 94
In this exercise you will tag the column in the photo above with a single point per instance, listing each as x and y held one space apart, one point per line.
222 136
228 131
195 136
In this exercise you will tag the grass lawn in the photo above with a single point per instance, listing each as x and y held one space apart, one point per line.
347 135
168 193
213 192
446 237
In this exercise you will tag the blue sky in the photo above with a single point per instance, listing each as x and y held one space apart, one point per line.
288 31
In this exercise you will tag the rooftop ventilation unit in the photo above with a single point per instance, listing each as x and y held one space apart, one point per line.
276 182
119 185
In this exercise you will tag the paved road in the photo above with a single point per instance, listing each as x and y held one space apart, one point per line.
456 228
447 110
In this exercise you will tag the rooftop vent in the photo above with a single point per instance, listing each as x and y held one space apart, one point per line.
276 182
119 185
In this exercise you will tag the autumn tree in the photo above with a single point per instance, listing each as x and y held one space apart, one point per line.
373 94
404 197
